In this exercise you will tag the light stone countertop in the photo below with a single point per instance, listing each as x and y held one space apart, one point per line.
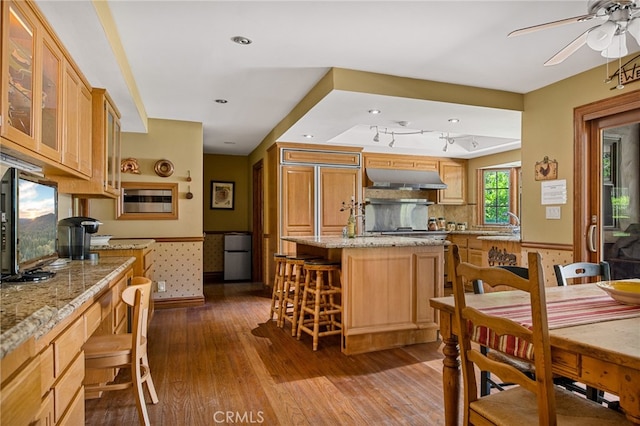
124 244
367 241
514 237
33 309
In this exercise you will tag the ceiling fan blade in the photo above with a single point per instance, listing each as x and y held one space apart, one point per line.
569 49
534 28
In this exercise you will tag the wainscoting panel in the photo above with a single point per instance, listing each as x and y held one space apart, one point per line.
213 253
179 263
550 256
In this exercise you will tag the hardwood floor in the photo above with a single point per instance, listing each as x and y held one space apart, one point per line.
225 363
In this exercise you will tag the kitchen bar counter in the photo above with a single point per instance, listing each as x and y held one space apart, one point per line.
366 241
33 309
387 282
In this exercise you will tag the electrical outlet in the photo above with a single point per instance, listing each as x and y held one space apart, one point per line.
553 212
162 286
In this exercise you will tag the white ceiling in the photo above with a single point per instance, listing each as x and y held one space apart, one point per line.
182 59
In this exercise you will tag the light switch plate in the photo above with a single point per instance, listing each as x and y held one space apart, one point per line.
553 212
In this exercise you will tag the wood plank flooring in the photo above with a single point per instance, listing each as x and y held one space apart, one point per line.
225 363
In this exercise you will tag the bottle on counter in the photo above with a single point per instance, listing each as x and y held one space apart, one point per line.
442 224
432 225
451 226
351 226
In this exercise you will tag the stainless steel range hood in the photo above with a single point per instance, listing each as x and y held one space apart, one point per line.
405 179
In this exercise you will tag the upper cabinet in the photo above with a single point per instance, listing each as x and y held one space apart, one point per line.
105 155
454 174
40 105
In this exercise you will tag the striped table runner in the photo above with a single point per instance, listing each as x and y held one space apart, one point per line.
568 313
565 313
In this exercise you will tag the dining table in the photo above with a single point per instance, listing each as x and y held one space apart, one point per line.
599 347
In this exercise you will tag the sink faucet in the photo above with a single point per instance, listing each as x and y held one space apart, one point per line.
516 227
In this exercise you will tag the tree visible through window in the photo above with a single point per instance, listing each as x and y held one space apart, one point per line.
496 196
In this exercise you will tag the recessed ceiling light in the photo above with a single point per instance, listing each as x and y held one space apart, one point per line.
221 101
241 40
374 111
308 136
228 143
454 120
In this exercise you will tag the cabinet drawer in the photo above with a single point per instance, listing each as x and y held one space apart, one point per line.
459 240
47 376
75 413
474 243
45 416
320 157
68 385
20 397
67 346
147 260
92 319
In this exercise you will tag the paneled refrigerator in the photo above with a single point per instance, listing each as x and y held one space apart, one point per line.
237 257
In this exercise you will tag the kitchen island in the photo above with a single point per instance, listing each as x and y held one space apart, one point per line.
386 282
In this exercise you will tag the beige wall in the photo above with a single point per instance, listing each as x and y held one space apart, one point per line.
227 168
179 142
547 130
178 261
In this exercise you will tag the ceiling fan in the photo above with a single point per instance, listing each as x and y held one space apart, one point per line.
620 17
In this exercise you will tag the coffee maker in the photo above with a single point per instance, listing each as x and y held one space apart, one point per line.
74 237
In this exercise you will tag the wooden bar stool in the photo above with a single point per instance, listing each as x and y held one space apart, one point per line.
293 285
277 295
321 300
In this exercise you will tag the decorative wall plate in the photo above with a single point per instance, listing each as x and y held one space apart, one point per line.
163 168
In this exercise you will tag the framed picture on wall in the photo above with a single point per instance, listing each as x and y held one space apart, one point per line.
222 195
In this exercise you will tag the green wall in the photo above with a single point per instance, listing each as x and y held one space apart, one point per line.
227 168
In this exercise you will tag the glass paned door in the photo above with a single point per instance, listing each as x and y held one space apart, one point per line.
620 195
21 48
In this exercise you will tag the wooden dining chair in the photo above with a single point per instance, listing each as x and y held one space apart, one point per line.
600 271
486 381
126 350
578 271
532 401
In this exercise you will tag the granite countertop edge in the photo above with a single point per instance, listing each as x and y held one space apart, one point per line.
46 318
125 244
365 241
515 238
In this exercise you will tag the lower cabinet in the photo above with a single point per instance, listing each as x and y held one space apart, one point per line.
42 381
470 249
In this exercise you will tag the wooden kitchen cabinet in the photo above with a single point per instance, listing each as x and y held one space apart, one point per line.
310 183
470 250
77 123
40 122
454 174
105 155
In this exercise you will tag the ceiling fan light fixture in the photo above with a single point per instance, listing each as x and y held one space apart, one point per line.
600 37
617 48
633 28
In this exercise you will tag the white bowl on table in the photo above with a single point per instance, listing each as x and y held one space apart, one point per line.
623 291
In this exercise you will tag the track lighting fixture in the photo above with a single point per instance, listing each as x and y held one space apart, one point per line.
474 143
393 133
